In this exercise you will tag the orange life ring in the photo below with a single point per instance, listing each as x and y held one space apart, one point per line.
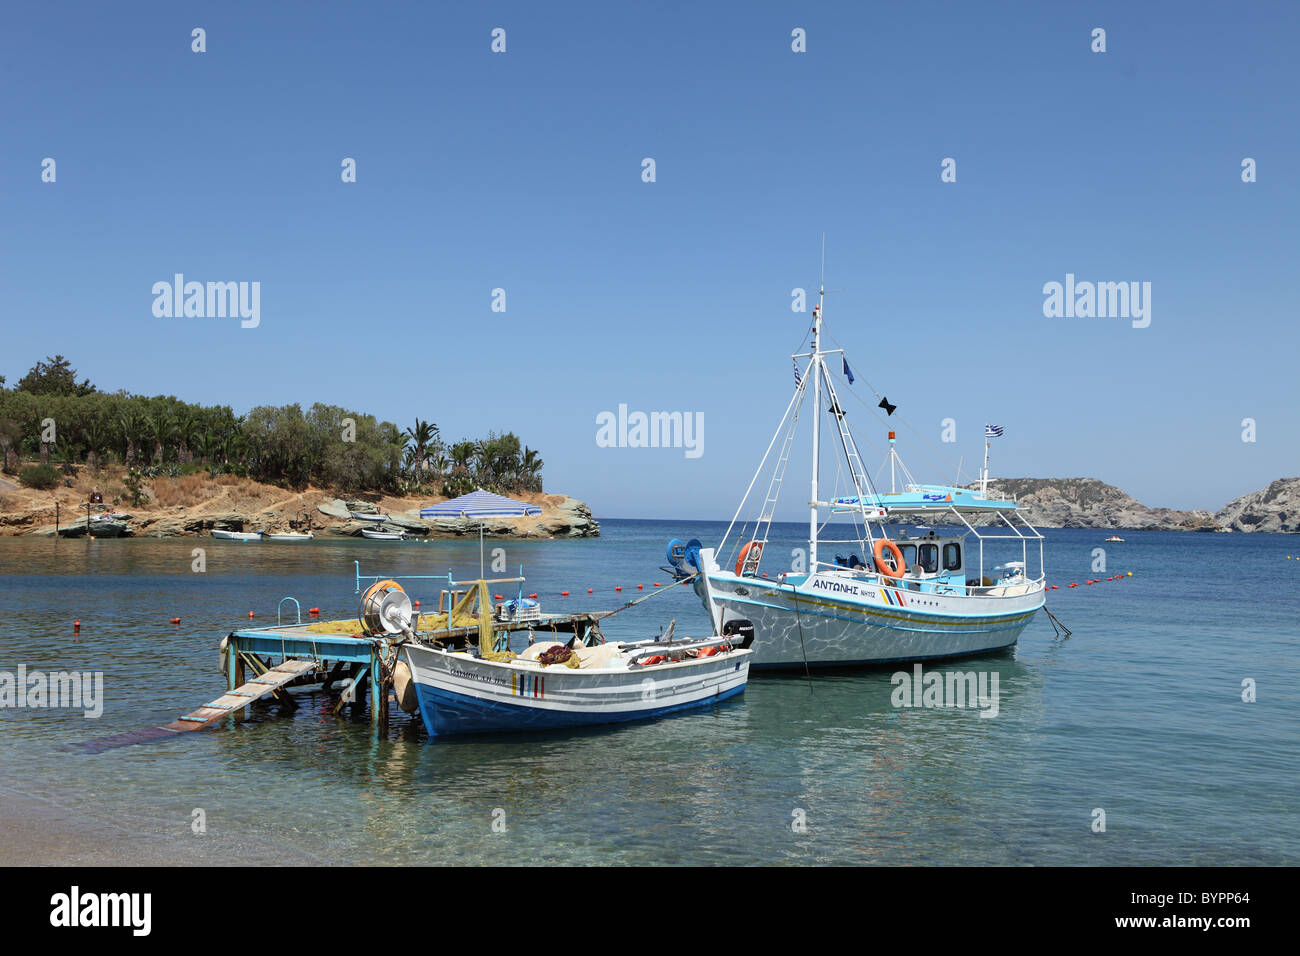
757 547
896 553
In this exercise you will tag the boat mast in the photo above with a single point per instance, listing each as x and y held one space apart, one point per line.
984 475
817 413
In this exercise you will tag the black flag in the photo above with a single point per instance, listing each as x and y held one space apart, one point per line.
889 409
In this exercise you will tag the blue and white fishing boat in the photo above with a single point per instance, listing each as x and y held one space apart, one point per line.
897 595
462 687
461 693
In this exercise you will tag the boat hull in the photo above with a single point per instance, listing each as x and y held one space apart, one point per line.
462 695
236 535
865 624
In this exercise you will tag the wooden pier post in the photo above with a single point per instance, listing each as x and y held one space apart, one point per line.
378 692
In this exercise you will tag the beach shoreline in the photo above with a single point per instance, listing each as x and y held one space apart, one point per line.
192 505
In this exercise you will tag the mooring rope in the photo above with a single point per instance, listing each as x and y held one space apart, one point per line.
1055 621
651 594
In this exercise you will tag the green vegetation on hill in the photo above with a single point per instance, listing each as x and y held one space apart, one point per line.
325 445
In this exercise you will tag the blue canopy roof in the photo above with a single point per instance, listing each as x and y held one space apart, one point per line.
922 498
480 504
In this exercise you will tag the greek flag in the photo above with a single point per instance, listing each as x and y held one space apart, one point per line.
992 431
797 380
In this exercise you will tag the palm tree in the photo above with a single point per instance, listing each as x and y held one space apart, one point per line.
461 453
531 467
162 430
207 441
130 424
484 459
94 432
419 438
187 428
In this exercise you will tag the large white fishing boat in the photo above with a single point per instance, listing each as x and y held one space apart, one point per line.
906 593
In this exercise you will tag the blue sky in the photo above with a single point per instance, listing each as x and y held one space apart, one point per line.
522 171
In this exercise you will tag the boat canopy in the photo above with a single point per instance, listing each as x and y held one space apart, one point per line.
920 499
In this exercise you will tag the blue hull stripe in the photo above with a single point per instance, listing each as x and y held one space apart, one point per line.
881 661
863 615
446 713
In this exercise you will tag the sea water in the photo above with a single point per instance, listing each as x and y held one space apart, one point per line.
1133 741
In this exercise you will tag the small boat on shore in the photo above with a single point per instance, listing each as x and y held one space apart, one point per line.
363 516
236 535
374 535
287 535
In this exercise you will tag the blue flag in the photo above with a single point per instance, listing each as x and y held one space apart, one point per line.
847 372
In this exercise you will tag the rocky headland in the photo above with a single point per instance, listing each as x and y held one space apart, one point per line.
1091 503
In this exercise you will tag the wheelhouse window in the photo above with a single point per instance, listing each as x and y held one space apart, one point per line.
951 556
909 554
928 558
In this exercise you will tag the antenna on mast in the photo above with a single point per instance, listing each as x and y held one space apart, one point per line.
822 285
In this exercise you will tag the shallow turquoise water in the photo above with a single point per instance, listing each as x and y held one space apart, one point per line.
1138 713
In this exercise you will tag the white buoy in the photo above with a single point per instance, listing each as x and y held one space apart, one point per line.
404 687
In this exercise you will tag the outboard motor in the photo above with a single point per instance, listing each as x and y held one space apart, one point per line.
739 628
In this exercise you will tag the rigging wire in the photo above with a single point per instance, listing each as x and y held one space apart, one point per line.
908 425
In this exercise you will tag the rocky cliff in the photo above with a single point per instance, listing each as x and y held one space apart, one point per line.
1090 503
1275 508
